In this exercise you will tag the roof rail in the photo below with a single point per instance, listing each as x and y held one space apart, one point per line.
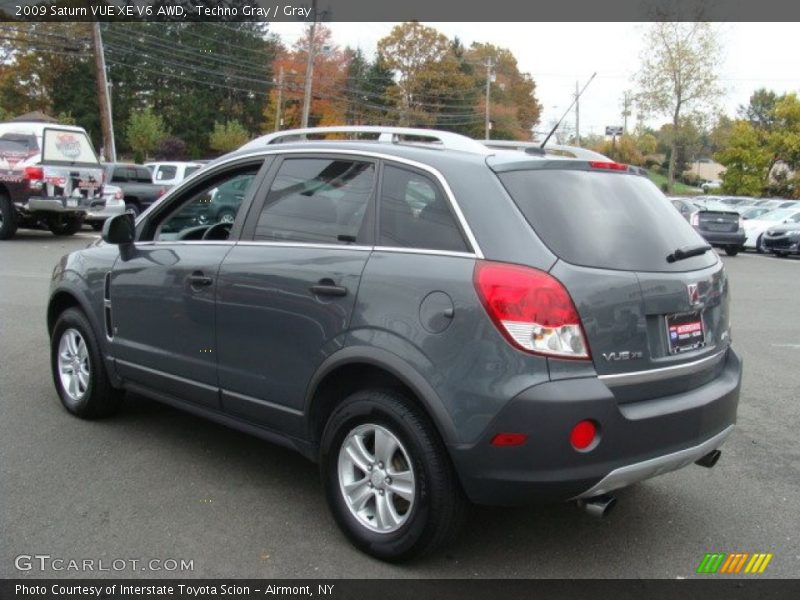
557 149
392 135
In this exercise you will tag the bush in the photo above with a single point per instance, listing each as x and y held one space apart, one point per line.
171 148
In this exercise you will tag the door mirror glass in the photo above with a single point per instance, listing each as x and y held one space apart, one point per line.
119 230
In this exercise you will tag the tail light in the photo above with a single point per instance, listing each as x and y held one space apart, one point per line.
695 219
34 173
118 195
532 309
162 191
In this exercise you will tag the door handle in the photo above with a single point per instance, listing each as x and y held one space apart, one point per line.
327 287
197 279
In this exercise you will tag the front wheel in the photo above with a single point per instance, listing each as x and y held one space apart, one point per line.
759 246
387 476
731 250
78 369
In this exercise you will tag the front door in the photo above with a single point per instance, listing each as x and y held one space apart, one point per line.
162 292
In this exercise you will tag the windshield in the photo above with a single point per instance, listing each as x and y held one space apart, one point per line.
62 146
778 215
604 220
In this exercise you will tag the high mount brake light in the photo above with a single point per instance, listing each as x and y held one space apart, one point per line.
532 309
609 166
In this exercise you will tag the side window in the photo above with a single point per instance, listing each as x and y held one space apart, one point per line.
415 214
214 205
119 175
796 218
190 170
166 173
317 200
143 175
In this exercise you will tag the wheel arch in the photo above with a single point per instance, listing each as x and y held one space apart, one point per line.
360 367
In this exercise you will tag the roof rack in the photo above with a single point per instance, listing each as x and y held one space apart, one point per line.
387 135
557 149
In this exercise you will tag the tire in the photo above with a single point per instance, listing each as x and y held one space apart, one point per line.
759 247
132 207
8 218
73 346
97 225
62 225
731 250
428 517
782 254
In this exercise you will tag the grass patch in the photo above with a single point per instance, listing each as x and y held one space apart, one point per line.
679 188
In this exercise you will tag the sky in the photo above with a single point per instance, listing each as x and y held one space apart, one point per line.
559 54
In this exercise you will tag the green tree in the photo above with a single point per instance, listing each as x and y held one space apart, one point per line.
144 133
228 136
678 74
747 161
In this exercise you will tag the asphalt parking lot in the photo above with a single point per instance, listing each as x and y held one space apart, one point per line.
155 483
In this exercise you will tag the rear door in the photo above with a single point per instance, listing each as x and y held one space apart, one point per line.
286 291
642 313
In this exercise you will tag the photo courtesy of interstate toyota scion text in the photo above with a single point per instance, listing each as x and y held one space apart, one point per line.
433 320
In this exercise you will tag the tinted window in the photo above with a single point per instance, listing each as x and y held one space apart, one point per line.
415 214
120 174
605 220
317 200
166 172
217 202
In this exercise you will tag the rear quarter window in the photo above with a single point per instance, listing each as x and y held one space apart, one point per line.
604 220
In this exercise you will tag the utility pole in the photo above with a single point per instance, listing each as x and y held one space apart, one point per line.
577 116
103 96
489 67
279 108
312 30
626 110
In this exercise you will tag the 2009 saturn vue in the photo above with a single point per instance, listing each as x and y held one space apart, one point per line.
433 321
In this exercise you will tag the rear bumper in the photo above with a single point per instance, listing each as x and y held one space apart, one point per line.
64 205
722 238
638 440
111 209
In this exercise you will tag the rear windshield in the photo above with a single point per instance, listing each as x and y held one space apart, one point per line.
61 146
604 220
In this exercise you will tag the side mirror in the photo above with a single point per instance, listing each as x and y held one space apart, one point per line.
119 230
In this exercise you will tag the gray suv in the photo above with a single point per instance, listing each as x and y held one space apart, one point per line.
433 321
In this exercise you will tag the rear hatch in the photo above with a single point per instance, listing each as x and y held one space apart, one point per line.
716 221
648 320
70 167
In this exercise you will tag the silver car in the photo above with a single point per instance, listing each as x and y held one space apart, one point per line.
115 205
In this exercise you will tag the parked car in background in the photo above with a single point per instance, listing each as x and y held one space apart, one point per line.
137 187
755 228
782 240
172 173
790 204
541 329
50 177
718 223
115 205
714 184
754 212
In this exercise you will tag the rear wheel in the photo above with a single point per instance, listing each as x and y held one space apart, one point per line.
388 478
64 224
78 369
759 244
133 208
97 225
731 250
8 218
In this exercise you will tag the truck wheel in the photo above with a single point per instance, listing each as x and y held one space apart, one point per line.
97 225
133 208
8 218
731 250
387 477
78 369
64 225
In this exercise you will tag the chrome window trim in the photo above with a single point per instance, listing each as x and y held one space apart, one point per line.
478 253
412 250
632 378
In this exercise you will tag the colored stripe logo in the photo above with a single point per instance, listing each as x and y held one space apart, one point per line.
734 563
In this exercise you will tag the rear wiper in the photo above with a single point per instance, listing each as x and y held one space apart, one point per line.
687 252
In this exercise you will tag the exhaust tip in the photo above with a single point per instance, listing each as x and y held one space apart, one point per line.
710 459
599 506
